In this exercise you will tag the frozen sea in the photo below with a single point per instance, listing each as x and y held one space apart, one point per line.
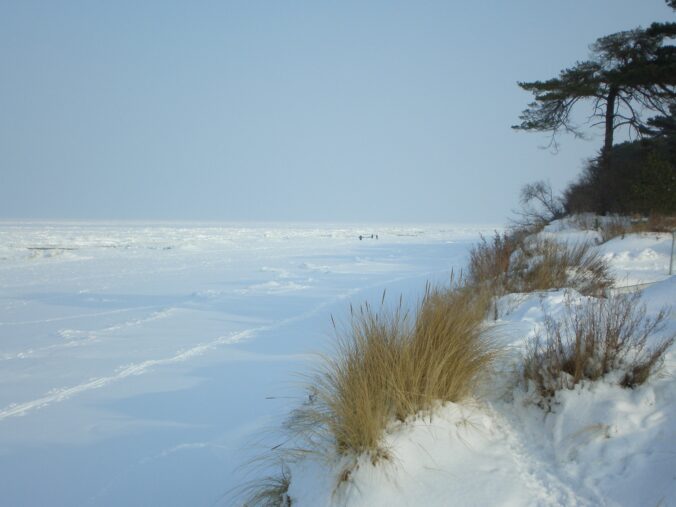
144 363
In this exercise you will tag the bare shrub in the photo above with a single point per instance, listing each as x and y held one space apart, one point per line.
542 264
539 205
389 366
594 339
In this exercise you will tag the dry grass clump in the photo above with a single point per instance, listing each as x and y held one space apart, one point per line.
514 263
658 223
448 351
268 492
543 264
594 339
391 365
357 389
489 261
620 226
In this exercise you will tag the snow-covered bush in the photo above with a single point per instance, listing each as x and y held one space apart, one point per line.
594 339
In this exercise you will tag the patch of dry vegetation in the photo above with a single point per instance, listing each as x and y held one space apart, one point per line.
539 206
614 226
489 261
594 339
449 351
389 365
509 263
543 264
392 365
268 492
621 226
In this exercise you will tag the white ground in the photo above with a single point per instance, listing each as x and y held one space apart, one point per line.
599 445
138 362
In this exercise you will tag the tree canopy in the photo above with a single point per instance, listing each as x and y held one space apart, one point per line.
629 81
629 74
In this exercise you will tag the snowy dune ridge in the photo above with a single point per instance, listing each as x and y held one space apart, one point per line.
596 444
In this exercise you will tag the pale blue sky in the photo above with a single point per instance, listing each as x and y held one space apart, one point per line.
313 111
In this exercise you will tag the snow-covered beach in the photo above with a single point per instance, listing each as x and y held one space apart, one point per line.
140 361
146 364
597 444
338 254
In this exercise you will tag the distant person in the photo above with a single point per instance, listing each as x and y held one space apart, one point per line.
360 237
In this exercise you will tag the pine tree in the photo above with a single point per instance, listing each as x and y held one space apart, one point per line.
629 74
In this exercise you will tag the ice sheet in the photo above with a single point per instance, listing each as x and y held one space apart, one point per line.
138 362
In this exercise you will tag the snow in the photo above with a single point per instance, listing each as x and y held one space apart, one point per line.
601 445
569 231
145 363
638 258
598 444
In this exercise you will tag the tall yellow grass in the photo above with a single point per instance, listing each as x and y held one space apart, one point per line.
390 365
489 261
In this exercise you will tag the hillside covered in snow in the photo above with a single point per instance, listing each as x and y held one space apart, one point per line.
606 441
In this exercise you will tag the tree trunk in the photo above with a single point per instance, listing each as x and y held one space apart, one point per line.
605 165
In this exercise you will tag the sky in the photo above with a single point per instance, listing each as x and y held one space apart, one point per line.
356 111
